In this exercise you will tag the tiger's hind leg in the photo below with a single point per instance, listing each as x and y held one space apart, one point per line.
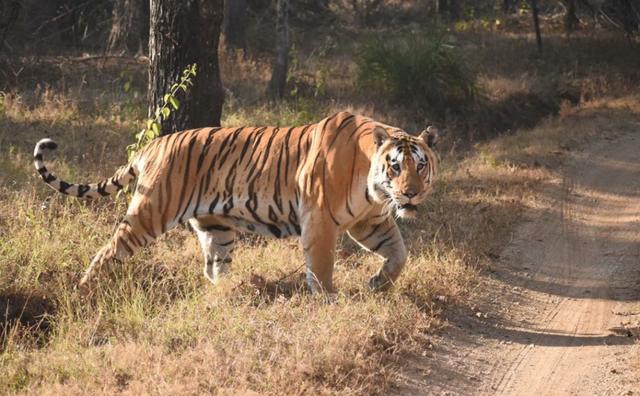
130 235
383 238
217 242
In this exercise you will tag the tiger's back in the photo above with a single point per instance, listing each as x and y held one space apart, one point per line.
231 173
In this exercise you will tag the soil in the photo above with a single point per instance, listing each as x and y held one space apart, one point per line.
560 312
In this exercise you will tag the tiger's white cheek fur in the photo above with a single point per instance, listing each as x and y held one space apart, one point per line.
380 187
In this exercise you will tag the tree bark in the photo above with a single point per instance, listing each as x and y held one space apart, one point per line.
454 10
235 21
129 27
184 32
9 12
507 6
448 9
442 7
570 18
278 81
536 23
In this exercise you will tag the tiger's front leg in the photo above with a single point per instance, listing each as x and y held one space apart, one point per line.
383 238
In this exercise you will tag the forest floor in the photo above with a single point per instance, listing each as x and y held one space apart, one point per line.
560 311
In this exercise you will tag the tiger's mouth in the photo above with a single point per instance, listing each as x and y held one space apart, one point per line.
407 210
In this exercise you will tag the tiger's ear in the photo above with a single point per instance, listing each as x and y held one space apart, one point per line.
380 136
430 136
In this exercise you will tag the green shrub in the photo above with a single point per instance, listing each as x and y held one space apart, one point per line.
422 70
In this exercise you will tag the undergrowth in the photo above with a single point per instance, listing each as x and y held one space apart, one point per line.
423 71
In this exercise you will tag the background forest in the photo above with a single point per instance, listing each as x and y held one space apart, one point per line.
514 85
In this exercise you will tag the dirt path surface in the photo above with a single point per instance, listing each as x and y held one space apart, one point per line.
566 318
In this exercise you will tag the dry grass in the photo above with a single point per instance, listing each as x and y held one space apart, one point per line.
157 326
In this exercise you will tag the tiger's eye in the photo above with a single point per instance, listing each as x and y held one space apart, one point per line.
420 167
395 167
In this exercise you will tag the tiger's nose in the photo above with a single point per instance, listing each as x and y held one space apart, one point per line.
410 194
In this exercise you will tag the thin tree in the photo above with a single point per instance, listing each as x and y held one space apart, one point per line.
129 27
185 32
279 72
234 25
507 6
536 23
9 12
448 9
570 18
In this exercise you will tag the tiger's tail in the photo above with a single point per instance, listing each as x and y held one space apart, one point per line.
118 181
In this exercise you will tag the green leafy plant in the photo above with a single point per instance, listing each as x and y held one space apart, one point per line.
421 70
170 103
2 100
153 126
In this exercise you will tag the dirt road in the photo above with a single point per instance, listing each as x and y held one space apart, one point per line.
569 299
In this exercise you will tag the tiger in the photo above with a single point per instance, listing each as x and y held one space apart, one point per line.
345 173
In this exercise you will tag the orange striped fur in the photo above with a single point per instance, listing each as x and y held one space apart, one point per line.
346 173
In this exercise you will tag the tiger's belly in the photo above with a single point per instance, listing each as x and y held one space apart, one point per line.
264 215
278 219
277 230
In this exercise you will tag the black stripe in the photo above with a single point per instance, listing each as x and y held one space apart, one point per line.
64 186
286 150
276 187
214 203
183 191
205 150
326 197
340 128
49 145
195 208
381 243
82 189
217 227
369 235
126 245
293 218
169 190
101 189
232 147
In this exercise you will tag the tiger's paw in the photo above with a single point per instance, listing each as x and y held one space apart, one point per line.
380 282
86 287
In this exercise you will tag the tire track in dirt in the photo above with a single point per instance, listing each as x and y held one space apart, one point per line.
562 298
586 269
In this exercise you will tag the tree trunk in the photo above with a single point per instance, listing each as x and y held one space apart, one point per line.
448 9
129 27
184 32
281 64
507 6
442 7
454 10
536 23
570 18
629 15
9 12
235 21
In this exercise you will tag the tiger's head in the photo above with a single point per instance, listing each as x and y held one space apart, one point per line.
403 169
